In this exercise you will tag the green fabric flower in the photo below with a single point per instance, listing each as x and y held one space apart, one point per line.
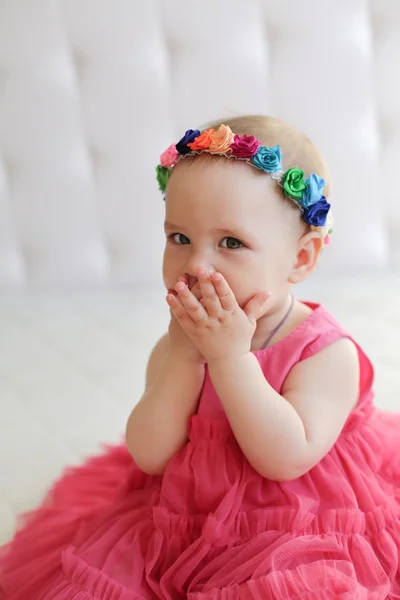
294 183
162 174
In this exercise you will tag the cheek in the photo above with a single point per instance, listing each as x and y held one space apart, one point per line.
243 283
277 261
170 267
283 267
166 267
264 275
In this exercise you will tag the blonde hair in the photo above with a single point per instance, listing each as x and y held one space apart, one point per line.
297 149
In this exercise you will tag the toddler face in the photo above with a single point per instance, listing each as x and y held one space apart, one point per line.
225 216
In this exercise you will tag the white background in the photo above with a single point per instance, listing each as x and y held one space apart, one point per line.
91 91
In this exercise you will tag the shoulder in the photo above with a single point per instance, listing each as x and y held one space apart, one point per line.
318 331
156 358
334 370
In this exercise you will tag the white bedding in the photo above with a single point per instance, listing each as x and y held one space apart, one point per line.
72 367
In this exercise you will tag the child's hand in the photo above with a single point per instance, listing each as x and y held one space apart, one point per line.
216 324
180 343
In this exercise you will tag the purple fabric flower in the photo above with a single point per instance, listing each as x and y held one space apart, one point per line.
190 135
244 146
317 213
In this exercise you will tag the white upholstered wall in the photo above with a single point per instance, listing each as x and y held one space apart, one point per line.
92 90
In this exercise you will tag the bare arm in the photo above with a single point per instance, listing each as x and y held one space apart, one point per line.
157 426
285 436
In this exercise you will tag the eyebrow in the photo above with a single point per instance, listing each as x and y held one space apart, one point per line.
168 225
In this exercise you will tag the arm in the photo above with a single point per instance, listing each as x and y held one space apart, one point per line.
157 426
284 436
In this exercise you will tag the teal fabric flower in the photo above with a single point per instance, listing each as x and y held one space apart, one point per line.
268 159
313 192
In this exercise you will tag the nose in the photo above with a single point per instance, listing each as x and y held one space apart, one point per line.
196 261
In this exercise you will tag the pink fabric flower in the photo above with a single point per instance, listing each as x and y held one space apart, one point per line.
168 158
327 240
244 146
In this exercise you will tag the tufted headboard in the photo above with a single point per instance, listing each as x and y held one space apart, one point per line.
92 90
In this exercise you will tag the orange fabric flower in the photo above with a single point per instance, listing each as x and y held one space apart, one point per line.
203 141
221 140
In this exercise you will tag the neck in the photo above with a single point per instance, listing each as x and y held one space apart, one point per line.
267 324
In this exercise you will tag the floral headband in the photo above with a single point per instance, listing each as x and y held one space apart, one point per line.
305 193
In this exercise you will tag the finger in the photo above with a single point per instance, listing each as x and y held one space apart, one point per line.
225 294
181 278
256 306
193 307
177 309
179 313
210 298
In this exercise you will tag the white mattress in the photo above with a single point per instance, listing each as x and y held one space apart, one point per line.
72 367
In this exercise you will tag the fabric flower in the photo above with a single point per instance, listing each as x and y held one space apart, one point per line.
317 213
190 135
203 141
293 183
313 191
330 222
221 140
244 146
168 158
268 159
162 174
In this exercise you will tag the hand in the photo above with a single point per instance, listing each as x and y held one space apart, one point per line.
180 343
216 324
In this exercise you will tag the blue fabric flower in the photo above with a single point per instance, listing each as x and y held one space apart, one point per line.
317 213
190 135
313 191
268 159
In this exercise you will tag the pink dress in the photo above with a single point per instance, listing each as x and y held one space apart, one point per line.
211 528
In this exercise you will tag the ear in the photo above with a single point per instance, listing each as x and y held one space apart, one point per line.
308 250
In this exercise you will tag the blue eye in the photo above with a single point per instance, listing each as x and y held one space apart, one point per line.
231 243
180 239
